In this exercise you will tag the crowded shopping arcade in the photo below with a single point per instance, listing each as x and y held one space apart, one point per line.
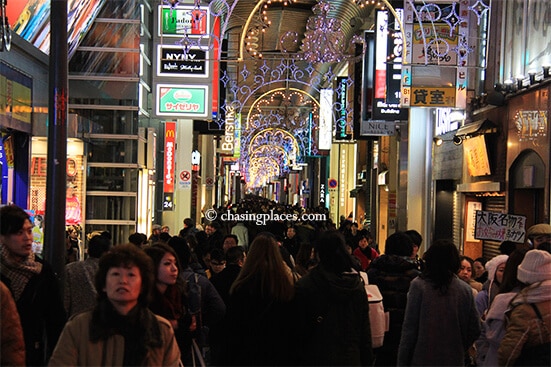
130 120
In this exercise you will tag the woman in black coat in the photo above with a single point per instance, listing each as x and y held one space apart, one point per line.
392 273
331 310
256 328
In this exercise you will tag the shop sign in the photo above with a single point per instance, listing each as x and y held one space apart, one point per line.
432 96
174 61
388 69
182 100
531 124
447 120
168 201
183 20
342 128
170 148
432 43
229 132
500 226
377 128
326 119
476 156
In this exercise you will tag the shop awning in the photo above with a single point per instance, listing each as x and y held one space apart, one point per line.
477 128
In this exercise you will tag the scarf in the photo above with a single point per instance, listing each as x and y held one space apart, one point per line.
139 328
535 293
168 305
18 272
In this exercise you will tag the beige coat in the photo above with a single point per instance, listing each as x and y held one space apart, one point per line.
523 329
12 349
74 347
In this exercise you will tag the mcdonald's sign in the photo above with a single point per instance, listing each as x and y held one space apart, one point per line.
170 147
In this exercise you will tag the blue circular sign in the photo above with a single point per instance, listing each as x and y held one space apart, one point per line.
332 183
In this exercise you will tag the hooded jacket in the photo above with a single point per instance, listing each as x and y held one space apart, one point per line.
332 326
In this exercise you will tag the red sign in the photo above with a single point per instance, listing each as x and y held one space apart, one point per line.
185 176
170 147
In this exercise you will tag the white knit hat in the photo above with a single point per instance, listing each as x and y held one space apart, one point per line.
491 266
535 267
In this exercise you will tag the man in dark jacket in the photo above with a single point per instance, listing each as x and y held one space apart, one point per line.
392 273
235 257
33 285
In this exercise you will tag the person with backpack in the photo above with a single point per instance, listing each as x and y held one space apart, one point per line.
204 302
527 337
332 326
393 272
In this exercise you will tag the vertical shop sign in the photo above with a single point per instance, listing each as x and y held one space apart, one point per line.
326 119
342 131
168 175
388 68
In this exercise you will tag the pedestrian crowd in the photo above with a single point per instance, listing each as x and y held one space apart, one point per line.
278 294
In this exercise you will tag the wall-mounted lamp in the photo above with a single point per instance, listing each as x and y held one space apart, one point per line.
457 140
546 71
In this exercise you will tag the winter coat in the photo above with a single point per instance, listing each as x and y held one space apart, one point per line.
75 347
393 275
255 331
523 326
80 291
42 315
12 350
224 280
332 320
438 329
493 330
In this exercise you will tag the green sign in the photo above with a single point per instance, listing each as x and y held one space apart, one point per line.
184 101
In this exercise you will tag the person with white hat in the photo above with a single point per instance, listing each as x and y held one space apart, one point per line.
538 234
490 289
527 338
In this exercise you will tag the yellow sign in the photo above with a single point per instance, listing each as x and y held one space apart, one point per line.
432 96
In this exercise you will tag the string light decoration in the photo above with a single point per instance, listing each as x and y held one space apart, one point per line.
376 3
324 39
255 34
438 47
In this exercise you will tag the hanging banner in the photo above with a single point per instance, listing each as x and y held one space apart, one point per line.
170 152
